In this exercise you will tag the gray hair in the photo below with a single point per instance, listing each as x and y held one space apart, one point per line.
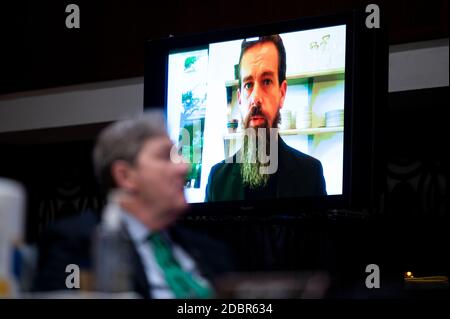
123 140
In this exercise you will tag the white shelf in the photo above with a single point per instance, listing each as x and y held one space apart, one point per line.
299 76
305 131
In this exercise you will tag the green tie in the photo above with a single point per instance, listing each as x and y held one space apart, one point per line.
182 284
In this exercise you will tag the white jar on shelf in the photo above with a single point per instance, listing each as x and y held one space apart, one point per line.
286 119
303 117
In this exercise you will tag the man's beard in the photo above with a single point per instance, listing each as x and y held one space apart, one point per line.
251 165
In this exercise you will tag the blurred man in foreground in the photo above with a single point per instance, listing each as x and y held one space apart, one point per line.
133 157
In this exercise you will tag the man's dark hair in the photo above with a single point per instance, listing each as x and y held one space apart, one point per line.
278 42
123 140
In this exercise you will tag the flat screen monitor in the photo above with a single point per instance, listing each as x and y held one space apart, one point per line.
266 116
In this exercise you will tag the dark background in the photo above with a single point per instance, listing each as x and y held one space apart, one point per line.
411 229
41 52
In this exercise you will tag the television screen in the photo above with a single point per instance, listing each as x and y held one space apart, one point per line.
266 114
206 111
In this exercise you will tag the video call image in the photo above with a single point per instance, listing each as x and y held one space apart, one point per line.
292 84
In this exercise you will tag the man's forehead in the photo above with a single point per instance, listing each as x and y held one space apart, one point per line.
160 141
260 56
264 48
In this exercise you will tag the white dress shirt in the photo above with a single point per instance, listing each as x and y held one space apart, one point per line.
139 235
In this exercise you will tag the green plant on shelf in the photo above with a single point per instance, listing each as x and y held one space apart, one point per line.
191 105
192 152
189 63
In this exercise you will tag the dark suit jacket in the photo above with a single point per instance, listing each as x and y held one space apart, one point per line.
299 175
69 241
